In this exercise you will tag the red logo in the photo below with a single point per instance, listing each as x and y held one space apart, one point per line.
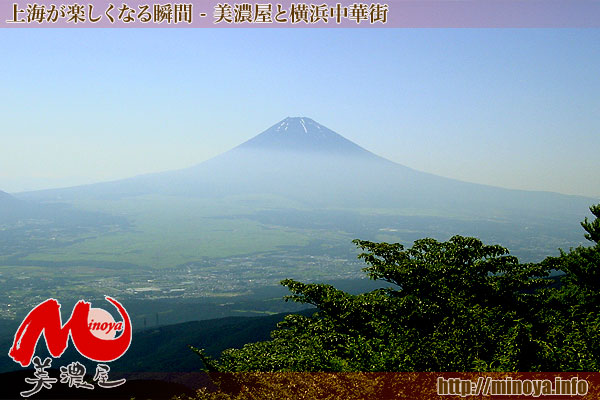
92 331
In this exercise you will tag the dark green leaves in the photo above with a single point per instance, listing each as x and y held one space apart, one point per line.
459 305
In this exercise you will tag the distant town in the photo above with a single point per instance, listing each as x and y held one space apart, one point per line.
224 277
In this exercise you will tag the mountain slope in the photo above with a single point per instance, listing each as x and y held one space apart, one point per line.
303 161
6 199
169 343
12 208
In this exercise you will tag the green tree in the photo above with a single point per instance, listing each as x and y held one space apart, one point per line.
459 305
593 228
572 310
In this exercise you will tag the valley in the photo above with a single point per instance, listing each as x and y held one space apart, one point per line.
214 240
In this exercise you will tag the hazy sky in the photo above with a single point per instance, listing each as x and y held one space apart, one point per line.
512 108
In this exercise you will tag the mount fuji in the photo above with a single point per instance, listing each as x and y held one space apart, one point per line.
303 161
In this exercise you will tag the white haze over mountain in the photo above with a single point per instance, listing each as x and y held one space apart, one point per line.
303 161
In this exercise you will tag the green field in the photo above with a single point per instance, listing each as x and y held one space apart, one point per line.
165 232
169 231
160 247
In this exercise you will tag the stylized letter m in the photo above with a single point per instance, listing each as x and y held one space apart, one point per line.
45 317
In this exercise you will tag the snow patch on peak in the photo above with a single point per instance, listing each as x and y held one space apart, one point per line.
303 126
284 124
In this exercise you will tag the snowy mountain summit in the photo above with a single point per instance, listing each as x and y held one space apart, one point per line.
302 134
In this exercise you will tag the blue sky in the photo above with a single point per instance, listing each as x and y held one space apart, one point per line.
511 108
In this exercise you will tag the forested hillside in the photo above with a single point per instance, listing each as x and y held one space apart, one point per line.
459 305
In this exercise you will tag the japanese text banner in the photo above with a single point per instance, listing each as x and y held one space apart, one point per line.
286 14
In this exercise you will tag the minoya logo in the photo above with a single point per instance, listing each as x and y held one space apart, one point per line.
93 332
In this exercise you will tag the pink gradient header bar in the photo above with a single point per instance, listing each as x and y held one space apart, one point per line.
299 14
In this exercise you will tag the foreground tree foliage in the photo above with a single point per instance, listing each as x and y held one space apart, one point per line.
458 305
